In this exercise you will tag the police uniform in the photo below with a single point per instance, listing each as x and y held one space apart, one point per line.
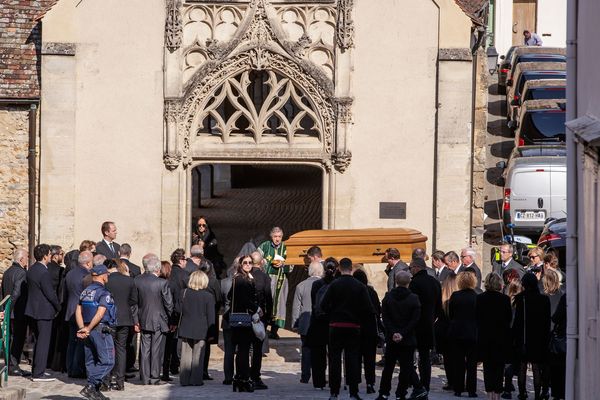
99 347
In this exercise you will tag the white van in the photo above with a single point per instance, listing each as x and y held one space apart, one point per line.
535 187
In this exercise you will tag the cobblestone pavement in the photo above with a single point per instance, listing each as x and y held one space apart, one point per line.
281 372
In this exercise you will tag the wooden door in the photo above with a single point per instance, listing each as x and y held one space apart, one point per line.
524 18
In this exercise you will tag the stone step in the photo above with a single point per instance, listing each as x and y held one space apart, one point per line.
12 393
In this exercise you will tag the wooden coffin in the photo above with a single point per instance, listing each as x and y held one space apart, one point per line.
360 245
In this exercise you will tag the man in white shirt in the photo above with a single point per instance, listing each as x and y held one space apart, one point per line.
531 39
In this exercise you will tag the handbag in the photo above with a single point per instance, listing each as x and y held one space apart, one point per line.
238 320
258 327
558 344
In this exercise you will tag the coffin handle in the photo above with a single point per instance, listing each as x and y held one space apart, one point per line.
378 252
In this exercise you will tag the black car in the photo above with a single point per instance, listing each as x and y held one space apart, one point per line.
531 75
542 126
554 239
544 93
535 57
504 68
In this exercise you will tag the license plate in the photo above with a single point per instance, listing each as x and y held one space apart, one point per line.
530 215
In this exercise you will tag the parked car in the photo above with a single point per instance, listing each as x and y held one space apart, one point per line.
527 72
540 89
535 188
541 122
554 239
534 57
504 68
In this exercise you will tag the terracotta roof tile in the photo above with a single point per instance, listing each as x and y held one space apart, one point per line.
475 9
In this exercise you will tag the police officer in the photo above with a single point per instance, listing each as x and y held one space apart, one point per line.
95 315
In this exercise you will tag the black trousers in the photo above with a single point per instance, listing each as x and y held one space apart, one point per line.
424 366
368 349
318 365
120 334
404 355
170 357
464 359
42 330
18 329
228 354
493 376
206 358
131 348
541 378
346 340
242 339
557 374
256 361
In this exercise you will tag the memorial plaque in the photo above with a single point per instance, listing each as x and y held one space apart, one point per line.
392 210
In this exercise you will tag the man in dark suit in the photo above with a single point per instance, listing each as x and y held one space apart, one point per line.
14 283
441 270
452 261
55 266
467 257
124 295
430 296
392 255
125 254
197 260
262 283
42 306
420 252
155 305
107 246
507 261
347 303
72 289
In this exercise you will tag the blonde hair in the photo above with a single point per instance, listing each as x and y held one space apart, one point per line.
448 287
493 282
122 267
537 251
550 281
198 280
466 280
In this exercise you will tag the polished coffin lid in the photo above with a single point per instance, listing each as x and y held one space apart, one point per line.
361 245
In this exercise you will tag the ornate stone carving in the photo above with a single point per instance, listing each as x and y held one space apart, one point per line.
299 48
345 25
341 161
173 26
215 49
172 160
344 109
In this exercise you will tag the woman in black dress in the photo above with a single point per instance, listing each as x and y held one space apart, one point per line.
203 233
243 300
462 334
494 316
531 330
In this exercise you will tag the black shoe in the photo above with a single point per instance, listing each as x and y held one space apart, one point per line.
355 397
89 392
419 393
133 369
370 388
473 395
448 388
207 377
227 381
18 372
117 386
382 397
303 380
243 386
166 378
101 396
159 382
130 376
259 385
104 387
506 395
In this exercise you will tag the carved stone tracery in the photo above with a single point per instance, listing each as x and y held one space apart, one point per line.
173 26
217 67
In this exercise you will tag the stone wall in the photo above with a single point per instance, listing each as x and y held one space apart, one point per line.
14 138
479 152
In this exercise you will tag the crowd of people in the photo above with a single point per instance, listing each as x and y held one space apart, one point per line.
96 315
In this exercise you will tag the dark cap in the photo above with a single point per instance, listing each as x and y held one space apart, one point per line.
418 263
99 270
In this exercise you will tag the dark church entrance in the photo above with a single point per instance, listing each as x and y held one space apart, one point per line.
243 202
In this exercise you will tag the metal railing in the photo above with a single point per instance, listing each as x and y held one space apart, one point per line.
5 306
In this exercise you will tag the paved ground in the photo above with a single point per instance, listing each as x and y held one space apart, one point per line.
280 372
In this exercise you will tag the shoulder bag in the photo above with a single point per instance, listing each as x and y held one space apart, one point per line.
238 320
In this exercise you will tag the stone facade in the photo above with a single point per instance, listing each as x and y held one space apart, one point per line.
14 140
356 106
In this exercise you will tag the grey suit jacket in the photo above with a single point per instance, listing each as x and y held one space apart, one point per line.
155 302
512 264
401 266
302 307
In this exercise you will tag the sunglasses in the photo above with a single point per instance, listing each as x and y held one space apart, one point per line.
246 262
202 225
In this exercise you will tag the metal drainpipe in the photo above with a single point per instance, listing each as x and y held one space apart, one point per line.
436 135
572 203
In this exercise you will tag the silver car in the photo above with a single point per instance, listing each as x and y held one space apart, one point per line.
535 187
